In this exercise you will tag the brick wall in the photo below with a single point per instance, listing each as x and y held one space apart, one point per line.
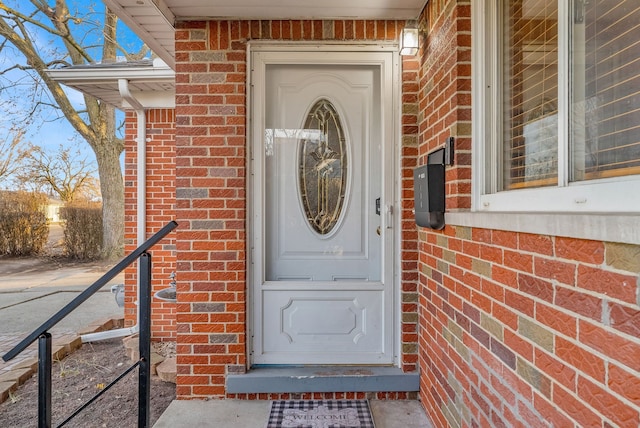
445 88
409 234
520 329
211 192
160 206
515 329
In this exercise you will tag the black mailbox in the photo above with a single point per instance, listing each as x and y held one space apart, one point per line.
429 192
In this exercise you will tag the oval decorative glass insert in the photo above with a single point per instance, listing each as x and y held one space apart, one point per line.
323 167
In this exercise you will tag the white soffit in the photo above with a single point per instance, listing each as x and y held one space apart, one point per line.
153 20
152 83
152 23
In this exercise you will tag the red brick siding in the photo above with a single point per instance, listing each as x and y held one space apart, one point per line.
515 329
445 102
504 342
409 237
211 191
160 206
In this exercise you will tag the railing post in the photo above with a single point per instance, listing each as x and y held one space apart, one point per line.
144 372
44 380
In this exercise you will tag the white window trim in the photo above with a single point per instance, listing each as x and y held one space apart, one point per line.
570 206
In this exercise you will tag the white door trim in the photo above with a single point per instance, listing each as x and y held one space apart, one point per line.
352 54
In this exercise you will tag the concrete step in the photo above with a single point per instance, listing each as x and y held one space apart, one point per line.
322 379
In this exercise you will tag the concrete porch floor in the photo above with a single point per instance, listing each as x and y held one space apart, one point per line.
255 414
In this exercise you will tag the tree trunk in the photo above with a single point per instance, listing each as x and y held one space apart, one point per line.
112 188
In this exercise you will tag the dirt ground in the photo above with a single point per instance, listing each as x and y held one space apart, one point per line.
76 379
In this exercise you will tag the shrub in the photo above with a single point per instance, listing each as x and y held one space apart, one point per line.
82 231
23 223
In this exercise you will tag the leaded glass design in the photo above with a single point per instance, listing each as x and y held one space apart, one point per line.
323 168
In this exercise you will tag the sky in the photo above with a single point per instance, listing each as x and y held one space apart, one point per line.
45 128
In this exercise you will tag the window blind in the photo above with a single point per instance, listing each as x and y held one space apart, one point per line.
530 93
606 110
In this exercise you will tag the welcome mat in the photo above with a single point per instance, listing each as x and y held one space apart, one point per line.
320 414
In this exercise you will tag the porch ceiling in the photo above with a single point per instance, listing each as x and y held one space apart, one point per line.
153 20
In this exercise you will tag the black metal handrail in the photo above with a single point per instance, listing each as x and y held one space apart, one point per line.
144 306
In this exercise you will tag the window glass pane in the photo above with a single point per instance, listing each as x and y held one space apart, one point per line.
605 91
530 93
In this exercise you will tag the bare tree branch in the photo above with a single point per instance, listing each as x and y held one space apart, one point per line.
95 121
64 172
28 50
11 154
15 67
62 18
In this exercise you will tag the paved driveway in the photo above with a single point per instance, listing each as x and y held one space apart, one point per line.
31 290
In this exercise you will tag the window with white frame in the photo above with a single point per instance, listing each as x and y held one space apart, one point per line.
557 105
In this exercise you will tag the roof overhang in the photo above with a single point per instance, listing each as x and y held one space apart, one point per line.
151 83
154 20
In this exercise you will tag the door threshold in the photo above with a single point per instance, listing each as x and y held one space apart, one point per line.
323 379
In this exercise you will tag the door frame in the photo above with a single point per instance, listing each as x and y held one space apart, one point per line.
391 86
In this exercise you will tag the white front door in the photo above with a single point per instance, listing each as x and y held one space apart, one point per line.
322 280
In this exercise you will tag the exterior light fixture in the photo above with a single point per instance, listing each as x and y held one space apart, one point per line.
409 43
